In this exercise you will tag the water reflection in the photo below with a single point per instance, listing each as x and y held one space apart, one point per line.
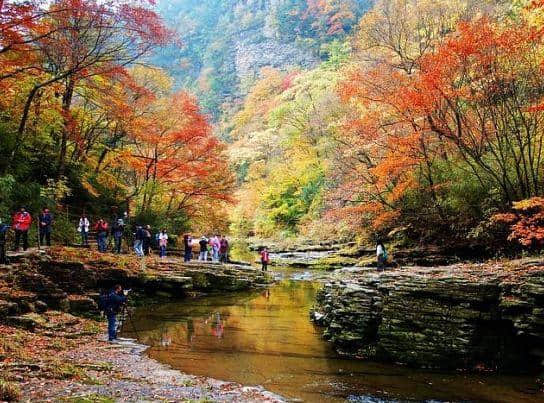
266 338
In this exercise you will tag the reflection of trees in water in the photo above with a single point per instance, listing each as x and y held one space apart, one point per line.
267 321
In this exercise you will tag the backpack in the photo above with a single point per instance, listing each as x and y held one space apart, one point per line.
385 253
103 301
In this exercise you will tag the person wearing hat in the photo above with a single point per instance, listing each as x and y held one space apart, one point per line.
21 224
203 249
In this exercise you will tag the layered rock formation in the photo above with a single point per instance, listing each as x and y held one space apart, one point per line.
479 316
70 281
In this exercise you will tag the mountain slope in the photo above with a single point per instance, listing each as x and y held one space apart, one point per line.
225 43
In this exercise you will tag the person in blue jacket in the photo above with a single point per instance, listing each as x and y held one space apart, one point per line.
46 221
116 298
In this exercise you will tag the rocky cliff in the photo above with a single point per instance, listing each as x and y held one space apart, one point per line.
225 43
474 317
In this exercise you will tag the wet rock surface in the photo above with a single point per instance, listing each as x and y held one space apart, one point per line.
485 316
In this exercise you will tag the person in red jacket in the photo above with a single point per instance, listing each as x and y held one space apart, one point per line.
265 258
21 224
101 228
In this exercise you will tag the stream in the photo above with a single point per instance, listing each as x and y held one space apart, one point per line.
266 338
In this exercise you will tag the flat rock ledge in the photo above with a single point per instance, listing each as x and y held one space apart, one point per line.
482 316
168 278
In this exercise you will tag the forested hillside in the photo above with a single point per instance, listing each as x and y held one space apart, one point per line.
416 120
89 125
223 44
425 125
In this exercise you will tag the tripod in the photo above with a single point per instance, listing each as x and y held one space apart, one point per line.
124 316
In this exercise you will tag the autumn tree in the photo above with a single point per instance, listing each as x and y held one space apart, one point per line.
89 38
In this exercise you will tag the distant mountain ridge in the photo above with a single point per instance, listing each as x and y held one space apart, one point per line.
227 42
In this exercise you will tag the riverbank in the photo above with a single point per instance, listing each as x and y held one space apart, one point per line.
52 347
468 316
67 359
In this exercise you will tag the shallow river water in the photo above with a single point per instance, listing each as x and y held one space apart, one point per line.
266 338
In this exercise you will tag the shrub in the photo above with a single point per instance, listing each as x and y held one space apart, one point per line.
526 222
9 392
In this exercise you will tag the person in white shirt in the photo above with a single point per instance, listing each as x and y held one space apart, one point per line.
163 242
83 229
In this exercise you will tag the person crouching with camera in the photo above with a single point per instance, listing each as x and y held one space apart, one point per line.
115 300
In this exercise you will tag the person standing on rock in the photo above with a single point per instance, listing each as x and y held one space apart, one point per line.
21 224
163 242
381 255
116 298
101 228
46 221
223 250
3 231
83 229
188 246
215 244
265 259
147 240
203 249
117 231
138 241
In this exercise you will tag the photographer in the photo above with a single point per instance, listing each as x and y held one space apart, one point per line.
115 300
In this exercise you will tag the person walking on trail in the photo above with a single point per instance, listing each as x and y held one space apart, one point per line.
114 300
21 224
203 249
83 229
163 242
3 231
146 244
138 241
381 255
101 229
265 259
117 231
188 246
46 221
223 250
216 245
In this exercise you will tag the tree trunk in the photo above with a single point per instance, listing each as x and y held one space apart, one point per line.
66 104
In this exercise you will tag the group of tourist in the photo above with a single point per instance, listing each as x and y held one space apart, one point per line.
21 222
217 247
143 237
